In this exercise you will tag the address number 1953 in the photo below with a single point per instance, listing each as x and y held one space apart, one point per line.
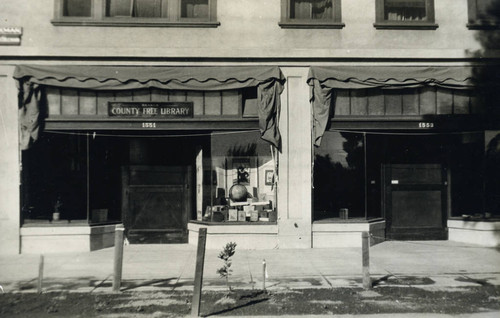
425 125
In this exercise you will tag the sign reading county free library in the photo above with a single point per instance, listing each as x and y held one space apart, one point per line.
151 109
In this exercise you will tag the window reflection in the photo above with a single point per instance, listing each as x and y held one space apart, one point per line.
339 175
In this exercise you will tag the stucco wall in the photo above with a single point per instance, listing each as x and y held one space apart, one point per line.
9 164
249 28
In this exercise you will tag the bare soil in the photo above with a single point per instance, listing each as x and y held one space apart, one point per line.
383 299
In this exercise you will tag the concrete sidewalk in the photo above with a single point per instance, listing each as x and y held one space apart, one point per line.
426 264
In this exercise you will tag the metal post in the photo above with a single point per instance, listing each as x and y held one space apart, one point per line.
40 274
264 274
198 275
365 245
118 261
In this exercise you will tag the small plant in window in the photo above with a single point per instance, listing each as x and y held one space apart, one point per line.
225 255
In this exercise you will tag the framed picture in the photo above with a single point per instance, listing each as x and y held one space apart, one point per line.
269 177
241 168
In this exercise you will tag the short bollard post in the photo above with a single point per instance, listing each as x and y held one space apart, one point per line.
365 245
118 261
40 274
264 274
198 275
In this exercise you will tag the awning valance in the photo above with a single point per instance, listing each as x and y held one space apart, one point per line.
268 79
135 77
395 77
324 80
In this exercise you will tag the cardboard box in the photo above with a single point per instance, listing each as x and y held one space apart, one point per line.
242 216
254 216
232 215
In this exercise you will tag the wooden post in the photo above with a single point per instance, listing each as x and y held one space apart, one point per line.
40 274
118 261
198 275
365 244
264 274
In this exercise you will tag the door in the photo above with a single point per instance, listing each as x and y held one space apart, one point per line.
415 201
156 203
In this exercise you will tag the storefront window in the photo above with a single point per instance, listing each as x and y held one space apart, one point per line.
54 179
238 179
339 176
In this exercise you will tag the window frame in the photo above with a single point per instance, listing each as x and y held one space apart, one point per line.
382 23
288 23
98 17
475 23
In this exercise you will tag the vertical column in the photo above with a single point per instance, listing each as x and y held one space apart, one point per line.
9 164
295 182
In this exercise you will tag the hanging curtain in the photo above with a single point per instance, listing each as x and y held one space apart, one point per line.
397 10
148 8
29 113
311 9
119 8
194 8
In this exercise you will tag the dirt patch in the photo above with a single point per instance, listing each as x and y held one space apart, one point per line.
389 299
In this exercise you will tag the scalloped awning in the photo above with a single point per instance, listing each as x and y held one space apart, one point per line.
136 77
392 77
268 79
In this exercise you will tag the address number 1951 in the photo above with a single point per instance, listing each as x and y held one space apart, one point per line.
148 125
425 125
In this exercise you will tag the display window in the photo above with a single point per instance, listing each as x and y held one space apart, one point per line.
239 182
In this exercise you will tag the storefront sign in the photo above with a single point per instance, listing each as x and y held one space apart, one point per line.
151 109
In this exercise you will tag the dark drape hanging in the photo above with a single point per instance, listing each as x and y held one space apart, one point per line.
29 113
268 80
324 81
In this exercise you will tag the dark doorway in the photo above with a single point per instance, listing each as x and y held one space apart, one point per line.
415 201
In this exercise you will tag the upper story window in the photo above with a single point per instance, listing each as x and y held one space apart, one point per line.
190 13
311 14
405 14
137 8
77 8
484 14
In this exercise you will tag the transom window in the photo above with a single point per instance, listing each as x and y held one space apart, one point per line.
484 14
136 12
405 14
311 14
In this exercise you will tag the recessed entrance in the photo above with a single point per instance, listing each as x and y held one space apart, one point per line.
415 201
156 203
